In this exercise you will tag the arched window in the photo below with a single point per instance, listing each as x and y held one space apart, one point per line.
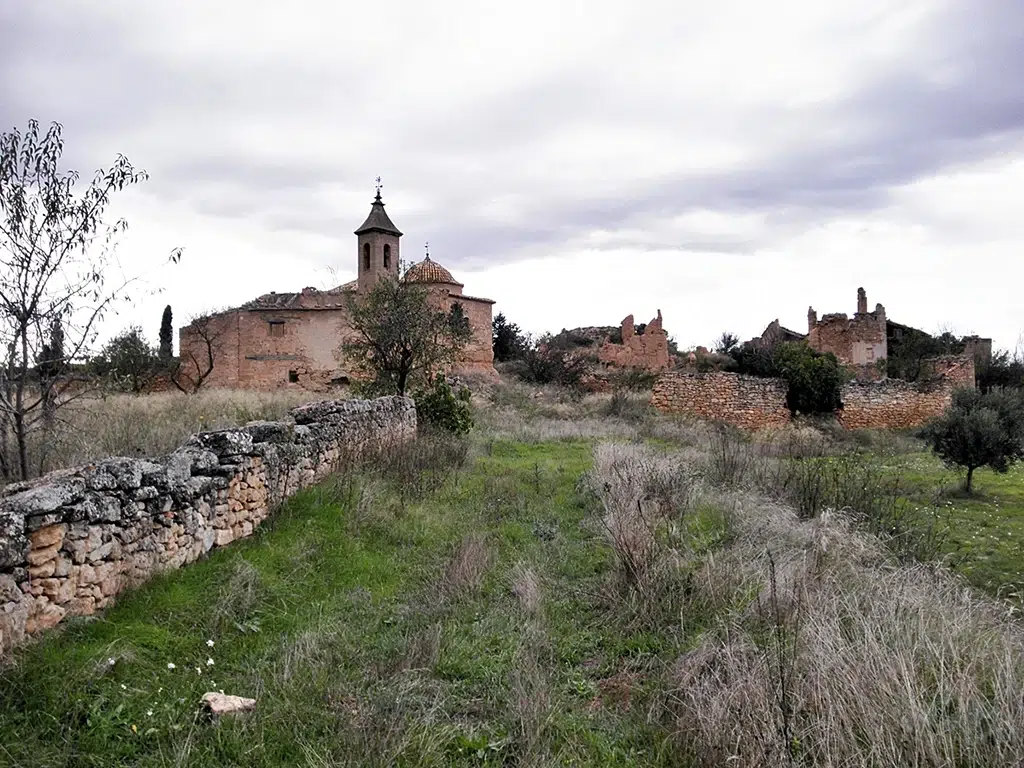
366 257
387 257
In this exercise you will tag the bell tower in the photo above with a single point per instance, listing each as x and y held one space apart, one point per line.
377 246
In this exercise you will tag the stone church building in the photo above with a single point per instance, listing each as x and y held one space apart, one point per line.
294 339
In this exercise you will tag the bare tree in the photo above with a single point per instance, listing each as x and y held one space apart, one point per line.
197 358
58 277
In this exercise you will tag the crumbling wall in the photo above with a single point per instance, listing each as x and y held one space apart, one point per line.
858 342
749 402
648 351
72 540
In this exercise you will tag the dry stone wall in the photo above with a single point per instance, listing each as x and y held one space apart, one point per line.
749 402
894 404
72 540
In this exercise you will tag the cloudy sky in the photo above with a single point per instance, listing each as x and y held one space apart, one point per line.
727 163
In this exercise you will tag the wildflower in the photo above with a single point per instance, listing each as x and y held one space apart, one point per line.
149 713
170 665
111 661
124 687
199 671
209 643
135 728
209 662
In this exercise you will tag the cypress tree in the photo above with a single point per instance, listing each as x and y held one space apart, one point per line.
166 335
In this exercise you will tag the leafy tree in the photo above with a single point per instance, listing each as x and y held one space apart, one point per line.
509 341
56 269
127 361
401 338
166 336
726 343
979 430
906 357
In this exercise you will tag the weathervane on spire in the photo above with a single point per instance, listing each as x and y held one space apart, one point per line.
426 247
379 185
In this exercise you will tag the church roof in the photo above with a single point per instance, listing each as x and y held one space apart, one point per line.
428 271
378 220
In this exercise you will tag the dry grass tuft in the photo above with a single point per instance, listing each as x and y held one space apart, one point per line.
467 568
820 647
94 428
526 587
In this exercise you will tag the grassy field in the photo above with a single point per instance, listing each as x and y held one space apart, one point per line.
577 584
983 534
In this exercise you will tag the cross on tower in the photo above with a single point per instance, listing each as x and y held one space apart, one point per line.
426 246
379 185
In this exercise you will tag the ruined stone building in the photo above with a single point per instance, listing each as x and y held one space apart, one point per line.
282 339
647 350
862 341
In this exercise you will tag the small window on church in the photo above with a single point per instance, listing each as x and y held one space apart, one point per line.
387 257
293 377
275 328
366 257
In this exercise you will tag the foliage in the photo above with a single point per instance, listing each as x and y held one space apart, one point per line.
815 380
980 430
726 343
544 362
401 338
166 350
907 354
57 276
443 408
1004 371
509 341
127 361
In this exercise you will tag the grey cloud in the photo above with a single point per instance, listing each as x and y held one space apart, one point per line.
174 116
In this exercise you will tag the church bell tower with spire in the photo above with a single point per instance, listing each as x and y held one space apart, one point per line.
377 245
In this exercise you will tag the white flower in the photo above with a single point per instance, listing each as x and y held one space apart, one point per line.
124 687
199 671
111 661
209 662
170 665
209 643
149 713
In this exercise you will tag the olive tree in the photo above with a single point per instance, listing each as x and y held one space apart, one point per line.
979 430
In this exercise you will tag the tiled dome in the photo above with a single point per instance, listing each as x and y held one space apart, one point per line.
428 271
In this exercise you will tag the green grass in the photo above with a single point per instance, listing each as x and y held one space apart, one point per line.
982 534
333 616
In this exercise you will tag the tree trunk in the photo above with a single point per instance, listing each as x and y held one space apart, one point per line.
970 478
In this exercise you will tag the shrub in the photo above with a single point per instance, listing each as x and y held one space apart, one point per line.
979 430
815 380
508 340
545 363
440 407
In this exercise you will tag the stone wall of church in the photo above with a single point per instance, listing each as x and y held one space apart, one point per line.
70 542
478 356
271 349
